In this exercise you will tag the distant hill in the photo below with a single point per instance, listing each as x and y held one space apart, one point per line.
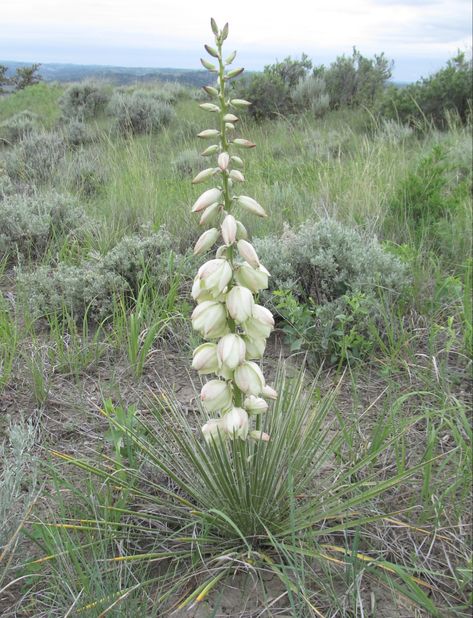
118 75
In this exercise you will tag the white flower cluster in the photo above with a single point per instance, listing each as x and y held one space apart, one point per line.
234 326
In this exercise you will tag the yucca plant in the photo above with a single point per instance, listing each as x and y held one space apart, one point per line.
260 488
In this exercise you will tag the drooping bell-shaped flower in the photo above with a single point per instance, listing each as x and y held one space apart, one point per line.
240 303
214 429
260 324
210 319
231 351
249 378
216 395
255 279
205 359
215 275
236 422
255 347
255 405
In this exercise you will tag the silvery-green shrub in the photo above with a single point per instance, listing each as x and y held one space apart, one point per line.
77 133
139 112
35 157
186 163
29 222
92 287
19 125
329 284
85 174
84 100
310 94
18 477
324 259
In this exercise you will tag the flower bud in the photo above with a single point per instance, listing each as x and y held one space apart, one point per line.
215 275
234 73
213 92
240 103
269 393
208 65
206 240
231 58
229 230
230 126
259 435
210 319
248 253
249 378
241 231
203 175
205 359
216 395
230 118
206 199
243 143
210 150
231 351
213 25
255 347
236 422
253 278
255 405
223 160
214 429
208 133
225 32
251 205
209 107
210 50
237 176
240 303
237 161
210 214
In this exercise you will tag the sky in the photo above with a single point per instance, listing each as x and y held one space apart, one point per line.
419 35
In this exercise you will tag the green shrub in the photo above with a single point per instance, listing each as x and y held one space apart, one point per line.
84 100
311 94
355 80
328 283
139 112
18 487
71 290
270 92
77 133
93 287
85 174
187 163
18 126
428 192
34 158
433 98
29 223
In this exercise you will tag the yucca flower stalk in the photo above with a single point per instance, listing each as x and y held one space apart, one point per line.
227 316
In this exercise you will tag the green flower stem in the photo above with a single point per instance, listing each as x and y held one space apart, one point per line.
238 395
